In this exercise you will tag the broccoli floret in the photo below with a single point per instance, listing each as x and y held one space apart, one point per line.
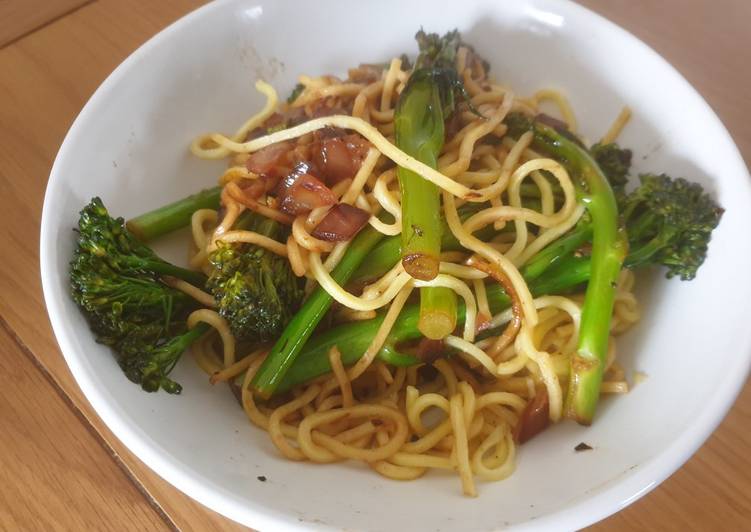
615 163
255 289
150 363
670 222
116 281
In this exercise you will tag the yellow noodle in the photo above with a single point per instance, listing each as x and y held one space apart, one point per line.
618 124
563 105
199 146
250 237
462 417
335 359
199 295
461 444
366 168
213 319
306 240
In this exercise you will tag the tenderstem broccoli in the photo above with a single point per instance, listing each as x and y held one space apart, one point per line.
423 106
668 222
255 290
287 348
168 218
116 281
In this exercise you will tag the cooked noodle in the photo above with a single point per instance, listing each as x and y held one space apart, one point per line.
458 414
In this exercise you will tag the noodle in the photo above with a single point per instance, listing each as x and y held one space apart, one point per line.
456 413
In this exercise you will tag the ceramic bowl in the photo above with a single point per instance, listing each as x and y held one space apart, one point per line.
129 146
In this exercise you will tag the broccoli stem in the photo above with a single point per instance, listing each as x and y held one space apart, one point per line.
153 375
418 123
557 251
437 312
608 251
296 334
197 279
352 339
170 217
388 251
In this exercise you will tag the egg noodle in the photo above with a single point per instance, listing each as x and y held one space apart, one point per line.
459 413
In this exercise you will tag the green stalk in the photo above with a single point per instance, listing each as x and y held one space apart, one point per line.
352 339
556 251
305 321
164 358
437 312
387 252
170 217
197 279
609 248
418 123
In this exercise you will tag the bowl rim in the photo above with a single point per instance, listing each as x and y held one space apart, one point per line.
619 492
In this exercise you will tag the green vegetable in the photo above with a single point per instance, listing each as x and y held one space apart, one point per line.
561 267
116 281
670 222
166 219
609 247
422 108
255 289
385 255
286 349
153 362
614 162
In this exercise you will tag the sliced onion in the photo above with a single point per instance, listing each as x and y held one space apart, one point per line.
535 417
256 188
341 223
339 158
301 192
268 160
551 121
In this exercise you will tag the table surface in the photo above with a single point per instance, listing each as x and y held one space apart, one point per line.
63 468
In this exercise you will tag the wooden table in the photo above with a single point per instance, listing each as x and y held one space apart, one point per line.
62 468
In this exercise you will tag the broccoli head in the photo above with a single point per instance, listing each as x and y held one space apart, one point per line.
255 289
115 281
615 163
669 222
149 364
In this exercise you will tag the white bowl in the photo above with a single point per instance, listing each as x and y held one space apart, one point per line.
128 146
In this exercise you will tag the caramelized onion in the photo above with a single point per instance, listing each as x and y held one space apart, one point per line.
535 417
555 123
268 160
341 223
301 192
256 188
339 157
505 339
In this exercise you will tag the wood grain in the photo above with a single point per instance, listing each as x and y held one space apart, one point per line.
707 41
19 17
55 71
56 474
57 68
